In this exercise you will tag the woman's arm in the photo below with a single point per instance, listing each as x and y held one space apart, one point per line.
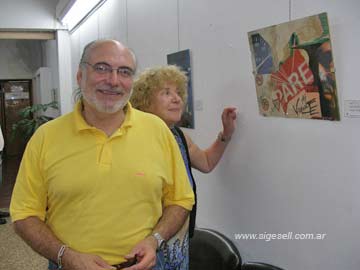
206 160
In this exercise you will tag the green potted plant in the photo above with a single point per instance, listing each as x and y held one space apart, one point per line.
31 119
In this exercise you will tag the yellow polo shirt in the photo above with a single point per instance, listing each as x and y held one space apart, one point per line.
100 194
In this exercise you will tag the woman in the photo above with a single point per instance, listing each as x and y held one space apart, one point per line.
162 91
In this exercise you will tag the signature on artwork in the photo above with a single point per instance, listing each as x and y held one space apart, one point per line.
305 107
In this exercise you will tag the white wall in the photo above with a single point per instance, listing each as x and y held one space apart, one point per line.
149 25
28 14
65 71
50 92
278 175
51 60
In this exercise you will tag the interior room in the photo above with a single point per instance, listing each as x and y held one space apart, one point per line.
278 175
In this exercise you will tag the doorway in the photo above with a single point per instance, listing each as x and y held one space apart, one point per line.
15 95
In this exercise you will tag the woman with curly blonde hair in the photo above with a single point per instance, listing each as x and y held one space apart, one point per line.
163 91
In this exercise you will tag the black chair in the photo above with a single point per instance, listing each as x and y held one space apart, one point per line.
259 266
211 250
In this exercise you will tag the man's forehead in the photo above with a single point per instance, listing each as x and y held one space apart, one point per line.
108 48
111 51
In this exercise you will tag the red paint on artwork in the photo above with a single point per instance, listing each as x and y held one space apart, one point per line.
293 76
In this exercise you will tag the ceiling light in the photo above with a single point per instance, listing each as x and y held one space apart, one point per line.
75 12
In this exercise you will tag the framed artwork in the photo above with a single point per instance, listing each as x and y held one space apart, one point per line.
182 60
294 69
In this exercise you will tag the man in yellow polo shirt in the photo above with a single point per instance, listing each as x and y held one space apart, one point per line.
105 183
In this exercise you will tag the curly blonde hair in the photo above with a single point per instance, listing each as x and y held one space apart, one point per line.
152 80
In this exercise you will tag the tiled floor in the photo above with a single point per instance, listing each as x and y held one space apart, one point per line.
10 168
15 254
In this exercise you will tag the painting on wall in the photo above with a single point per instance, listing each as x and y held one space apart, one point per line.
294 69
182 60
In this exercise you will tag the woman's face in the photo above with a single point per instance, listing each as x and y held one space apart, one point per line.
167 104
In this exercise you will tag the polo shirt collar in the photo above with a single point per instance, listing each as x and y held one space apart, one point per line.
81 124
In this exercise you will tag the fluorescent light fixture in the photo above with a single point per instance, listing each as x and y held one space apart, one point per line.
79 11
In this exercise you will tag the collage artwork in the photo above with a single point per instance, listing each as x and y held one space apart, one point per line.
294 69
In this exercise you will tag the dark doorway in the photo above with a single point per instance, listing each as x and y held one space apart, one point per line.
14 96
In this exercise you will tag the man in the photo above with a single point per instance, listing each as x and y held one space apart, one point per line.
105 183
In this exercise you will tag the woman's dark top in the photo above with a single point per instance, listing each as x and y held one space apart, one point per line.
180 138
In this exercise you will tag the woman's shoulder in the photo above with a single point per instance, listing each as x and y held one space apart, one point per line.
148 119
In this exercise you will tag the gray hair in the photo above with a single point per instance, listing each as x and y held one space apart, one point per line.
77 95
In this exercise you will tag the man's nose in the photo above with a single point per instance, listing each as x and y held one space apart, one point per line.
114 77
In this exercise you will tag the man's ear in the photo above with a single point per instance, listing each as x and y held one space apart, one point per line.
79 76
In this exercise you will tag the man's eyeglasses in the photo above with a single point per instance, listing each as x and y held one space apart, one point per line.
103 68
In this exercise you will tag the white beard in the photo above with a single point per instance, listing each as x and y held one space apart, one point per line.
100 106
106 108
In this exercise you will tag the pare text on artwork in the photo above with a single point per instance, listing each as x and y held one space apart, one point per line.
293 76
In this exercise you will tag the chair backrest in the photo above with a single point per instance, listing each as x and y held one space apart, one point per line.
212 250
259 266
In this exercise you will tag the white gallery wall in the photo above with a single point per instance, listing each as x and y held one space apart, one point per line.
28 14
278 175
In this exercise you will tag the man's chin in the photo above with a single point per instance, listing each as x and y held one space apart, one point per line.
110 109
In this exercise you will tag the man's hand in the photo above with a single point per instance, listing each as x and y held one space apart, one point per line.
73 260
145 252
39 236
